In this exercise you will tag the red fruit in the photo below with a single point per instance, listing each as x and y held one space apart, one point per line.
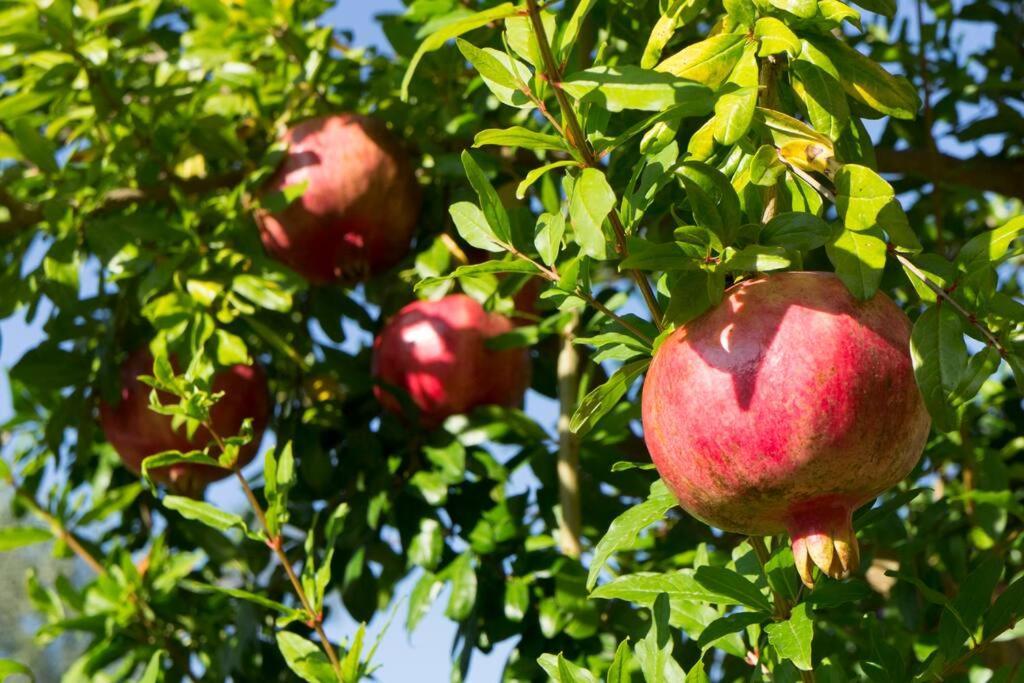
360 205
136 432
435 351
784 409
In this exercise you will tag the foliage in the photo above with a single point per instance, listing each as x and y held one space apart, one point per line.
635 156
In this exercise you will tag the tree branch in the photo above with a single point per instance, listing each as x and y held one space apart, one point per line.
568 442
987 174
24 216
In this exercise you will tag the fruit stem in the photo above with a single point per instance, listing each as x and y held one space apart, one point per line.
782 606
568 443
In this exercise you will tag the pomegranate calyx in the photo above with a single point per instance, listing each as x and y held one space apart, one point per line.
821 532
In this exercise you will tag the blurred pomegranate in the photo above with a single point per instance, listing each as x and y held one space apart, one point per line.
436 352
136 432
360 204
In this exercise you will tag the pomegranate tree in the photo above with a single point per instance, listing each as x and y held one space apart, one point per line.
359 207
436 352
784 409
136 432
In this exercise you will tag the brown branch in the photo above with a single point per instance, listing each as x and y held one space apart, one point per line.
576 137
987 174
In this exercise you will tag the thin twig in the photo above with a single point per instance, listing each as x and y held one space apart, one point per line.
912 269
274 542
578 139
945 296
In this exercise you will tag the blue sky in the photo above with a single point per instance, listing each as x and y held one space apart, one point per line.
426 654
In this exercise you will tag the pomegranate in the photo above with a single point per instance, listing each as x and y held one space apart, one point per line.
436 352
136 432
784 409
360 204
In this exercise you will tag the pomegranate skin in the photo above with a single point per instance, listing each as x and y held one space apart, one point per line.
435 351
136 432
360 205
783 409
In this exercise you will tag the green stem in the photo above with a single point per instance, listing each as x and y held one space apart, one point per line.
578 140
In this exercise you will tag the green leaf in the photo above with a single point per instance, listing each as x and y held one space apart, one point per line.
350 664
692 293
722 581
990 247
864 80
517 136
239 594
548 241
168 458
804 9
755 258
734 110
733 623
517 598
630 87
453 30
598 402
1006 611
792 638
36 148
709 62
490 202
859 259
625 529
655 651
153 672
14 537
464 584
817 84
828 594
9 667
204 512
798 231
939 352
421 597
886 8
262 292
503 75
643 587
570 32
535 174
473 226
592 200
677 13
775 37
305 659
971 602
426 546
622 664
716 185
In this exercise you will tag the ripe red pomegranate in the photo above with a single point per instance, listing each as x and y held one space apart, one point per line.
360 204
784 409
136 432
435 351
